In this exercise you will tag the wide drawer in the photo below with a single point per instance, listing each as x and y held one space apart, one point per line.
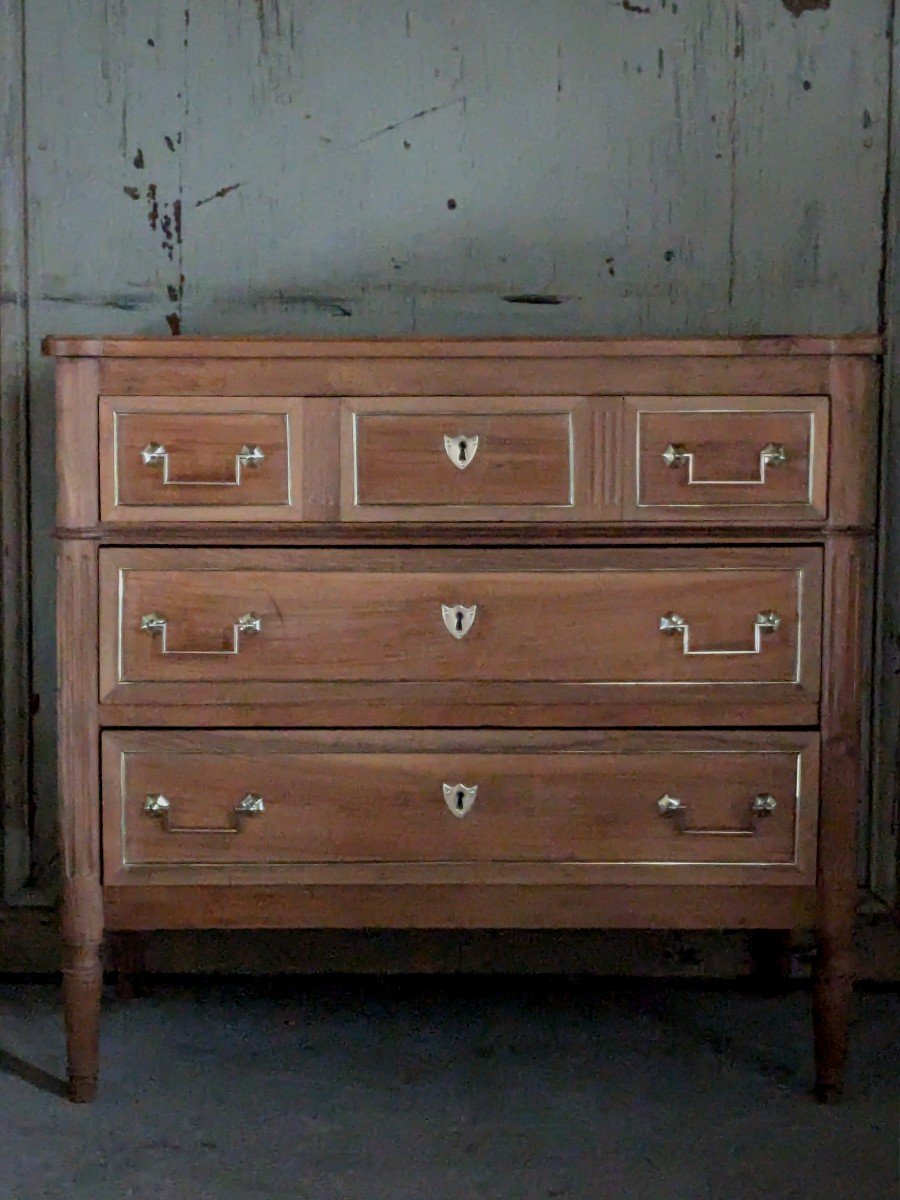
726 457
259 806
227 627
213 458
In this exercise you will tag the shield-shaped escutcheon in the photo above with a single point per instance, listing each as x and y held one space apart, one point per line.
461 449
458 618
459 798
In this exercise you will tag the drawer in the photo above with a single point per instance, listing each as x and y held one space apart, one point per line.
695 457
465 458
199 458
457 626
478 806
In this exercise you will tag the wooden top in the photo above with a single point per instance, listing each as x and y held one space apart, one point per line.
290 347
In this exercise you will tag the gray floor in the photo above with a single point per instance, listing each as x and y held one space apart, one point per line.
446 1089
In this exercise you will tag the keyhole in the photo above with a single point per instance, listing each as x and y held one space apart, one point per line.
459 801
462 450
459 620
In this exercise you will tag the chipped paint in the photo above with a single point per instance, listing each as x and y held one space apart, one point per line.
222 191
533 298
798 7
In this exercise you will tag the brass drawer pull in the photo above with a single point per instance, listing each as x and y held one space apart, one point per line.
159 806
772 455
676 810
459 798
764 622
158 626
461 449
458 618
154 455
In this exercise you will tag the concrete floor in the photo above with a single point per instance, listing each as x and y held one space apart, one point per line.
446 1089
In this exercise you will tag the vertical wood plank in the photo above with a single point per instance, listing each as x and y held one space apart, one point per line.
15 665
791 202
883 834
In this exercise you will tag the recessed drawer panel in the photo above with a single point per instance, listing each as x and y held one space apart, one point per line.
177 458
697 457
200 803
239 626
464 458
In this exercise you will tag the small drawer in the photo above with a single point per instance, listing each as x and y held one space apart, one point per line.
229 626
469 805
465 458
196 458
698 457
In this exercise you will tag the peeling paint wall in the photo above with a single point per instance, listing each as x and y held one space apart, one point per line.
352 167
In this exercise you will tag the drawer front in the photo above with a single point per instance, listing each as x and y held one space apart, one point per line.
463 458
695 457
206 804
214 458
240 626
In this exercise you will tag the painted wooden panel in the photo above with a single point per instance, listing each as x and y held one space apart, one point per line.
349 167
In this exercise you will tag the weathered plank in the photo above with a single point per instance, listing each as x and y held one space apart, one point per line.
15 672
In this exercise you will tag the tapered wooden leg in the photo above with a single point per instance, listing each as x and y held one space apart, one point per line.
82 972
847 609
832 1001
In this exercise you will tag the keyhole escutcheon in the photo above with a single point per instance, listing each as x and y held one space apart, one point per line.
461 449
458 619
459 797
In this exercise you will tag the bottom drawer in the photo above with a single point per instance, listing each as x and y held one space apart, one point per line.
420 807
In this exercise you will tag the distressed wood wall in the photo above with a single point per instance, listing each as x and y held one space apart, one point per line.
351 167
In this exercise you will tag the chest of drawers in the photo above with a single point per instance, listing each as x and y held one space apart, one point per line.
462 634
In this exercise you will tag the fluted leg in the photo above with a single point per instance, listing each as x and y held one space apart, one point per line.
79 812
847 596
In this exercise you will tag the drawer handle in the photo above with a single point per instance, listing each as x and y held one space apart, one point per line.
772 455
764 622
461 449
160 806
676 811
458 619
158 626
459 798
154 455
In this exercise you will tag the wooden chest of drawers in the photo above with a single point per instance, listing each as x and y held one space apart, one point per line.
462 634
